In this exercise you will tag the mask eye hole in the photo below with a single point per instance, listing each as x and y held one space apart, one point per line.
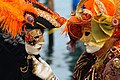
87 33
29 18
36 37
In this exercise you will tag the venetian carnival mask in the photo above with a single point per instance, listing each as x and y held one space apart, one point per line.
86 38
34 41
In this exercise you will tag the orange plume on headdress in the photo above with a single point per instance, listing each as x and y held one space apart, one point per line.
12 15
117 2
107 5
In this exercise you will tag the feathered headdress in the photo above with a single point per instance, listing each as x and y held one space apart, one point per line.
85 12
12 15
107 7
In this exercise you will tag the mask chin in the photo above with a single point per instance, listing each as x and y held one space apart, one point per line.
91 48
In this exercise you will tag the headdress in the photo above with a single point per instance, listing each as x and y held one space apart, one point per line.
102 17
15 14
105 6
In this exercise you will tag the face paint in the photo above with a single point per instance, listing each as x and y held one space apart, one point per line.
34 41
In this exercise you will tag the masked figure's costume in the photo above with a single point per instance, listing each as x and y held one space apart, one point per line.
22 24
96 23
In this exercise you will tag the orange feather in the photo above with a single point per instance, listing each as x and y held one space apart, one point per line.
109 6
12 15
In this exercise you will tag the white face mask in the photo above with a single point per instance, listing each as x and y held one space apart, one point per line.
34 50
34 44
91 48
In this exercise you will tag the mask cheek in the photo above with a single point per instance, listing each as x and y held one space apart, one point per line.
32 50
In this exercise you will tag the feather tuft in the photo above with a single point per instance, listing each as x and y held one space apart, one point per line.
12 15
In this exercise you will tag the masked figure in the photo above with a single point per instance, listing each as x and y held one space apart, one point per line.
22 24
96 23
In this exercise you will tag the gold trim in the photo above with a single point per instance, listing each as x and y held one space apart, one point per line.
24 69
40 24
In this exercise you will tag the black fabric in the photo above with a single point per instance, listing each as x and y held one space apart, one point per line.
11 58
44 22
